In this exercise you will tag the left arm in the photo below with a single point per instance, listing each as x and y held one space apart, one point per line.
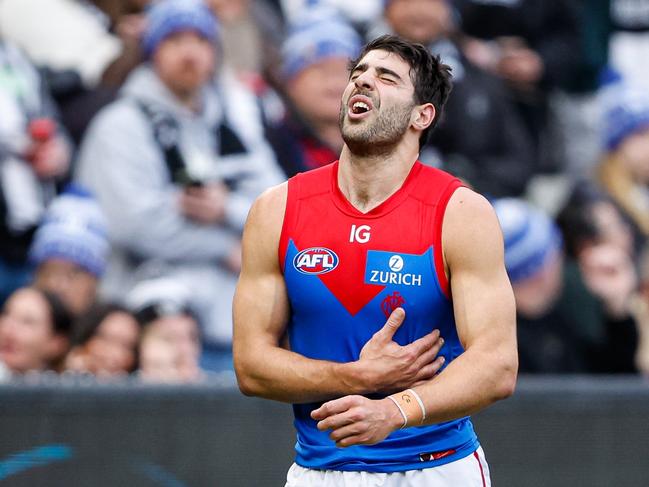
485 317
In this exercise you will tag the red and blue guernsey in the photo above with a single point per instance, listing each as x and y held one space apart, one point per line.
345 272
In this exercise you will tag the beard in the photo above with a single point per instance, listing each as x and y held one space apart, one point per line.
377 137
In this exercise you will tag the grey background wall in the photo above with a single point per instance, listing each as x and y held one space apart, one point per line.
554 432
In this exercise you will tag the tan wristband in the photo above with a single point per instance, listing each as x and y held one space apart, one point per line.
411 407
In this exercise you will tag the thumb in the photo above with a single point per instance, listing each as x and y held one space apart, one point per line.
392 325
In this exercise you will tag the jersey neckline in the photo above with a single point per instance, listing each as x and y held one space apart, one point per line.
398 197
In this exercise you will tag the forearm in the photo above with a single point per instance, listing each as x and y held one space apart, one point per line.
275 373
471 382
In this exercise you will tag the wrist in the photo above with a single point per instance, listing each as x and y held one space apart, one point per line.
355 378
410 406
393 415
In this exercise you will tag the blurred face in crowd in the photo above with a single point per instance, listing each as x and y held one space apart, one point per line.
159 359
112 349
316 90
229 10
76 287
612 228
184 62
634 152
27 337
182 331
378 103
421 21
536 294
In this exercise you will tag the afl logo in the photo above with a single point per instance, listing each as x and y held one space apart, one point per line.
315 260
396 263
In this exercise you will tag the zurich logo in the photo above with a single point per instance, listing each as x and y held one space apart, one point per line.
315 260
396 263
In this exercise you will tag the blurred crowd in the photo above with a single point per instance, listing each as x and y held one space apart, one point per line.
135 135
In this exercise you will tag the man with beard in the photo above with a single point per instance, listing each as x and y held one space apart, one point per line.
175 164
372 236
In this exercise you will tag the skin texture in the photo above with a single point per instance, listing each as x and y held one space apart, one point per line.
373 165
184 62
76 287
111 351
27 338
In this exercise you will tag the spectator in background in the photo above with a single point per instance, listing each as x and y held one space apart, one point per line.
105 341
170 349
71 41
251 35
573 317
34 332
70 249
624 168
176 163
34 156
481 138
314 71
534 45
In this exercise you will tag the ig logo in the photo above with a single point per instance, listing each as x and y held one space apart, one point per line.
396 263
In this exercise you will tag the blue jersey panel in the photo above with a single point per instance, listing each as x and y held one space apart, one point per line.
322 328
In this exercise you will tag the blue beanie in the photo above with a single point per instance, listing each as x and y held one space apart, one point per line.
531 237
626 111
74 230
319 34
168 17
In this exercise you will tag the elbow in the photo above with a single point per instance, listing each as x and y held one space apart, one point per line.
507 376
245 380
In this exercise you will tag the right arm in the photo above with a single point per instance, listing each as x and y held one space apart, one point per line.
261 314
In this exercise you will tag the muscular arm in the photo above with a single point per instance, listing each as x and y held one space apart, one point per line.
484 309
261 314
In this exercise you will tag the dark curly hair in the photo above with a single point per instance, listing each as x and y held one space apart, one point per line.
431 78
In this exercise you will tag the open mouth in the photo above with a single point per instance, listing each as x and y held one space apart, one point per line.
359 106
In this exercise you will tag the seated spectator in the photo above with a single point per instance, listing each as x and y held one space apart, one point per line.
34 332
481 137
34 157
314 73
58 36
70 249
160 359
175 164
573 317
160 306
535 46
104 342
624 168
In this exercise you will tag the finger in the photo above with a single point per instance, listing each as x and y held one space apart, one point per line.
429 355
336 406
352 440
337 421
429 371
425 343
392 325
343 432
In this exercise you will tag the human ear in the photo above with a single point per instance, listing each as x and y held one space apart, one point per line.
423 116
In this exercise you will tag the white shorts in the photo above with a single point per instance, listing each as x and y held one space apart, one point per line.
470 471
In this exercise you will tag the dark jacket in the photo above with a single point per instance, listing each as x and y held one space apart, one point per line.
481 136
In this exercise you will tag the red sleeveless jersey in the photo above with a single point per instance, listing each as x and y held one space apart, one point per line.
345 272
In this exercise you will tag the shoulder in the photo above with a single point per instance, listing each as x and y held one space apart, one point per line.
470 228
120 115
263 229
267 212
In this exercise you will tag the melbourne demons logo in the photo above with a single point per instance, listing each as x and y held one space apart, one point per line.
392 302
316 260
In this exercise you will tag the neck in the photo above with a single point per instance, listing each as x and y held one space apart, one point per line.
189 99
369 180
